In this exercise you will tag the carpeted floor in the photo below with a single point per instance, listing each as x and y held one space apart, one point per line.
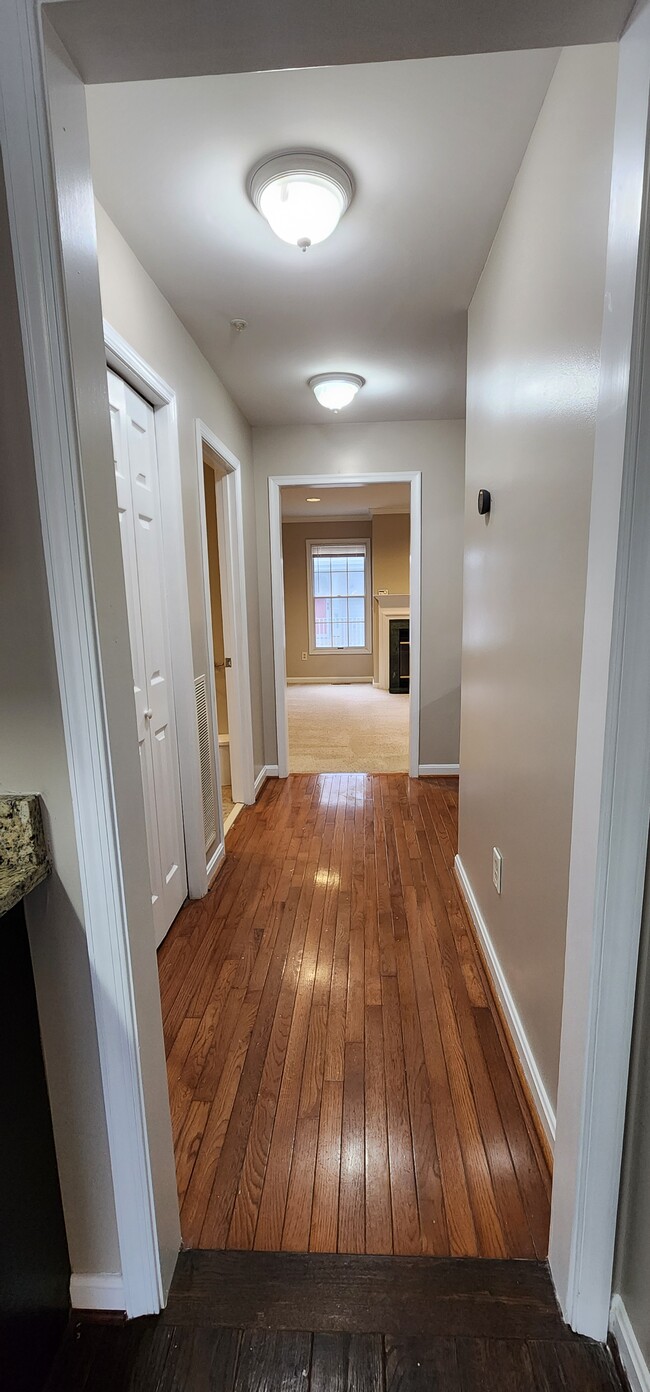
347 729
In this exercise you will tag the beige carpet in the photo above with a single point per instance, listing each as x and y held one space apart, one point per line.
347 729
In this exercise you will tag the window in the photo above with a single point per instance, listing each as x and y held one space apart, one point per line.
339 596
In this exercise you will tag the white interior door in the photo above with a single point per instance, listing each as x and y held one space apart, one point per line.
138 502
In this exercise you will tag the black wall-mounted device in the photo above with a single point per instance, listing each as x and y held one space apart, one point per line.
484 502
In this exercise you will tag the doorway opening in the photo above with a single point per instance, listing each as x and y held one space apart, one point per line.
412 679
222 661
228 780
346 573
345 567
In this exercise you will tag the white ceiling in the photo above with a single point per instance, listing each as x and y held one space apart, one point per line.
434 146
352 500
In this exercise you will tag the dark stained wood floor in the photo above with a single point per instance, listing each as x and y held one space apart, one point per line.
338 1076
280 1322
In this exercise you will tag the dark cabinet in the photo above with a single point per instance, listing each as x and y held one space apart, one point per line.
34 1267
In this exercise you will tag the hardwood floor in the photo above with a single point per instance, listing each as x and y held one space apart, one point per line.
280 1322
338 1076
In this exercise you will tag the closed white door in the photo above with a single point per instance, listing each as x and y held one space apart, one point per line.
138 502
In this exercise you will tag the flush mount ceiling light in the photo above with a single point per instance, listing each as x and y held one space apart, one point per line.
336 389
302 195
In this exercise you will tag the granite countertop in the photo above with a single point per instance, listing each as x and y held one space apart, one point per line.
24 859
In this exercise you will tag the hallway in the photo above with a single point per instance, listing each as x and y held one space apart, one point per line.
337 1073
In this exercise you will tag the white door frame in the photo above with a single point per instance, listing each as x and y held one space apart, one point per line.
114 907
278 481
612 774
124 360
604 905
230 527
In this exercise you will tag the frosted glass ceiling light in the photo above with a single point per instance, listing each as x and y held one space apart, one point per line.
336 389
302 195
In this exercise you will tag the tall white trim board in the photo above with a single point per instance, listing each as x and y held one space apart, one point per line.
230 525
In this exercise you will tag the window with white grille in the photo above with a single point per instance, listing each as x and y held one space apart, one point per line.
338 575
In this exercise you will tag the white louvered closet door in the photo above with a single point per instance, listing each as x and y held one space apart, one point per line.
138 502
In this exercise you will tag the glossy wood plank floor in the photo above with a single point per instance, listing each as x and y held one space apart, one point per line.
337 1072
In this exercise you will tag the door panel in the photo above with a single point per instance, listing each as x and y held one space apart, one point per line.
117 404
142 549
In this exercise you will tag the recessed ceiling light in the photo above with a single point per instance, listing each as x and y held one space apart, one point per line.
336 389
313 500
302 195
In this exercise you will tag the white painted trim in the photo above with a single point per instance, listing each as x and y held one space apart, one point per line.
364 542
232 816
230 527
279 627
101 1291
438 770
629 1349
230 522
415 636
330 681
124 360
612 783
500 983
328 517
414 478
34 224
268 771
216 859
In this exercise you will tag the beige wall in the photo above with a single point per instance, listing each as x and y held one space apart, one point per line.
534 341
209 484
324 666
33 759
632 1266
437 449
134 306
391 558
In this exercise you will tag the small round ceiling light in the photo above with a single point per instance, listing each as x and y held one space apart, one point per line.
336 389
302 194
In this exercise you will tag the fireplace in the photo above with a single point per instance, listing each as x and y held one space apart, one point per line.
399 649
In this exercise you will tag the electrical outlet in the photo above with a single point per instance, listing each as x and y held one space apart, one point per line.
497 866
304 657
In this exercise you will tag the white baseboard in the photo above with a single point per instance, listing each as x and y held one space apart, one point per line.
232 816
638 1372
97 1291
268 771
438 770
329 681
215 862
526 1056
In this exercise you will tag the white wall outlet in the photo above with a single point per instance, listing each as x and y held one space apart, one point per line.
497 866
304 657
